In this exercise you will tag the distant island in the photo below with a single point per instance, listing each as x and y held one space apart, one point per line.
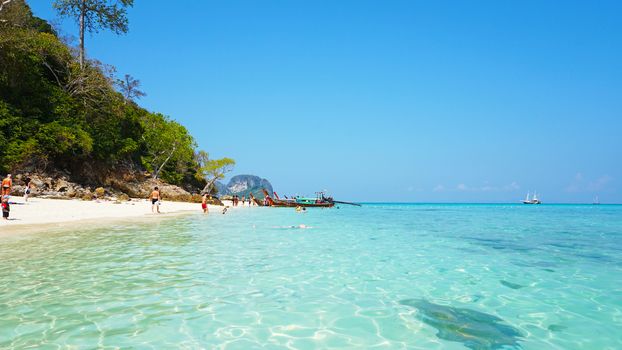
243 185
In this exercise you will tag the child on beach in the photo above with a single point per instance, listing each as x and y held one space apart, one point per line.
6 208
27 190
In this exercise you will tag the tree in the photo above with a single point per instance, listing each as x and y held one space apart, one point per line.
213 169
165 141
93 15
129 88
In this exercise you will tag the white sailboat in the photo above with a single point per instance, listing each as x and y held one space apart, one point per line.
532 200
596 201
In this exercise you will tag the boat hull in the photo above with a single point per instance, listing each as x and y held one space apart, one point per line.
290 204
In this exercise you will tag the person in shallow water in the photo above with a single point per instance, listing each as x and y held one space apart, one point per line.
204 203
155 199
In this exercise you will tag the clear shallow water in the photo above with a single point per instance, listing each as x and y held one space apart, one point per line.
385 275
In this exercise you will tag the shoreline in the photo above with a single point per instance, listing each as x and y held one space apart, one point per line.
41 214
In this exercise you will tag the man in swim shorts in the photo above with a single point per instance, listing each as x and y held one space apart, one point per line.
155 199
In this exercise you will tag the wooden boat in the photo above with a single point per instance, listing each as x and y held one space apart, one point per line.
319 202
257 202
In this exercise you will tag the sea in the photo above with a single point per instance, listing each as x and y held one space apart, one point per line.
381 276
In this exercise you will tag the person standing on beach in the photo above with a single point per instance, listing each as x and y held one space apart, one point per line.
155 199
243 200
27 190
6 207
204 203
7 183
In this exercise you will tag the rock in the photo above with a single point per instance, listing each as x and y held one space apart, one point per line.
61 185
242 185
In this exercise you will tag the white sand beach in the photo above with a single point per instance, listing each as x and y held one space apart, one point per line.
39 213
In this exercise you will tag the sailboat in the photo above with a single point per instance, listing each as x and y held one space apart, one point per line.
596 201
532 200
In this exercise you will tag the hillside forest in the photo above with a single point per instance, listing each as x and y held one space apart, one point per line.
62 111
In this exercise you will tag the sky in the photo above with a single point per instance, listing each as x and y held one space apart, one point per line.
408 101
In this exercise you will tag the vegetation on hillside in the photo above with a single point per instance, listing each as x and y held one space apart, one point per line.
58 115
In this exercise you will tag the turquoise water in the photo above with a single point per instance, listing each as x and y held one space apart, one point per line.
384 276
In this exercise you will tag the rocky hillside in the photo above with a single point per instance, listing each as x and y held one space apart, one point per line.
60 186
242 185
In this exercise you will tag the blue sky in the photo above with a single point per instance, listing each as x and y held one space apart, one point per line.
476 101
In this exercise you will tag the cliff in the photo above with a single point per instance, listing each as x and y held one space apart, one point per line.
242 185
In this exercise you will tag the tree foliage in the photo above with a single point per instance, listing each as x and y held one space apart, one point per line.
167 143
212 169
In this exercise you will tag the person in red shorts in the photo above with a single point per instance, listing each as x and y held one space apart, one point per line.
204 203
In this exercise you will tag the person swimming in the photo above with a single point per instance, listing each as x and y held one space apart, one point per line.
295 227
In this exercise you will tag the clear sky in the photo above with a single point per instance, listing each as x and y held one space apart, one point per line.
389 100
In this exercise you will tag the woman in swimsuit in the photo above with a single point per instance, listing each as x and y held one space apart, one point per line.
27 190
6 185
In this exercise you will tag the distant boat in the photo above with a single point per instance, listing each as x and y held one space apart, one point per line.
532 200
596 201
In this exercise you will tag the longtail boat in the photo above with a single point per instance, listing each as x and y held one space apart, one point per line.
320 201
276 201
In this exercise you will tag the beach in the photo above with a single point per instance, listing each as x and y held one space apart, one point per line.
41 213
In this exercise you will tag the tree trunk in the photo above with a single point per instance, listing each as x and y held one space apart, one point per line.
82 15
4 2
209 185
157 172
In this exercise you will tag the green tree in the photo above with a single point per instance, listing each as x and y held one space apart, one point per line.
212 169
93 15
166 142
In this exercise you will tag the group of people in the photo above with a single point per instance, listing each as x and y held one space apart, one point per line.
5 194
236 200
156 199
